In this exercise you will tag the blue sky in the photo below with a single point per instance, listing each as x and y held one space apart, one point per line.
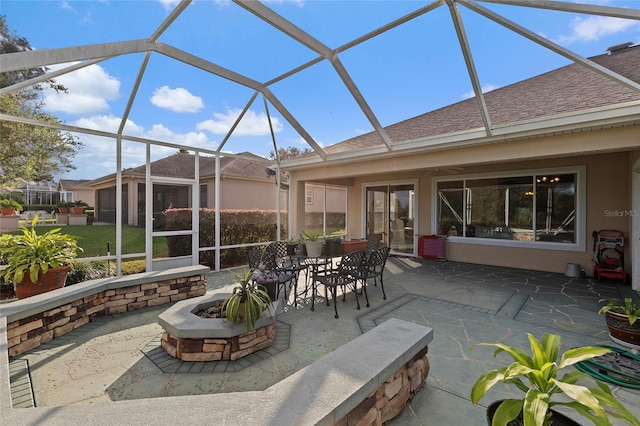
412 69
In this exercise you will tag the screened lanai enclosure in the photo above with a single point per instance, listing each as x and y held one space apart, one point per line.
270 75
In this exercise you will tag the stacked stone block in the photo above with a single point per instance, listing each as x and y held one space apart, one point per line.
208 349
391 397
32 331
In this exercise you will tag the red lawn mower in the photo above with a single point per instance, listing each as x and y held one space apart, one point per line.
608 250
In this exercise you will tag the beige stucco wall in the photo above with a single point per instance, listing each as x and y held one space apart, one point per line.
608 183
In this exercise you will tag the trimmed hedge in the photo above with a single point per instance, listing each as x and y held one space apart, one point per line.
236 227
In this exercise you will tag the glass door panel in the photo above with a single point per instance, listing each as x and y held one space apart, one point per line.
390 216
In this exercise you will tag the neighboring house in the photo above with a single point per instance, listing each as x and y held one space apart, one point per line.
76 190
245 184
560 160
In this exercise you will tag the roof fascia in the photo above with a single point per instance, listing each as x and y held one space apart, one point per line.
41 58
550 45
598 117
591 9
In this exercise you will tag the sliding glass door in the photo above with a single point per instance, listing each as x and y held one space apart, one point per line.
390 215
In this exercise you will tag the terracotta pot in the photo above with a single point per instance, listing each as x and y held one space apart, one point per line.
77 210
556 418
620 328
63 209
52 280
8 211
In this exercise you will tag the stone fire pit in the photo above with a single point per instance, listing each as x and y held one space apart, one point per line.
189 337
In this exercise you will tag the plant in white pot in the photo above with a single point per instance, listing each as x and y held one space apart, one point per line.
37 263
537 375
313 242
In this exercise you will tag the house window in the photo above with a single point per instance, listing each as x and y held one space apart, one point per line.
513 209
308 198
66 196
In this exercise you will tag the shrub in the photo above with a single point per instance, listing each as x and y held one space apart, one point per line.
86 271
133 267
236 227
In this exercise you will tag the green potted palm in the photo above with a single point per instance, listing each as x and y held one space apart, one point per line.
313 242
622 320
537 375
64 206
8 207
37 263
79 207
247 301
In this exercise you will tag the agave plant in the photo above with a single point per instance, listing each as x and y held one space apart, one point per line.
538 376
247 301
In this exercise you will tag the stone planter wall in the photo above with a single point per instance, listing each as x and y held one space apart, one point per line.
392 396
210 349
59 312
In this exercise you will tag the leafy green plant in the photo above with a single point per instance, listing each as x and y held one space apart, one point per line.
31 253
6 202
628 308
80 203
66 204
311 235
248 301
537 375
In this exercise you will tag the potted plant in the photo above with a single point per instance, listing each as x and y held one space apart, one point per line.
622 319
292 244
247 301
313 242
8 207
538 377
37 263
64 206
78 207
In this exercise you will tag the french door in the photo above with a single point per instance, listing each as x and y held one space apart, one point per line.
390 215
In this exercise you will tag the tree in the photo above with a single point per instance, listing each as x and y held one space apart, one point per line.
31 153
288 153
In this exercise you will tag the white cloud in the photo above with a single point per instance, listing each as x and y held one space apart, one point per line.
596 27
89 90
178 100
109 123
486 88
252 124
98 156
169 4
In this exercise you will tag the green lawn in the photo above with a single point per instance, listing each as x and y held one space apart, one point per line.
93 239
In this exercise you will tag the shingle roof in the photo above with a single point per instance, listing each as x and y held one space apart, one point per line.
182 165
568 89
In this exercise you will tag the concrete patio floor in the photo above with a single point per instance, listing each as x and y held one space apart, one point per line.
118 357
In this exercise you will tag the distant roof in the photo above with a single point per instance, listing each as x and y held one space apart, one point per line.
71 183
565 90
181 165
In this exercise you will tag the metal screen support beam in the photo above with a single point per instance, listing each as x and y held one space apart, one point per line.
471 68
590 9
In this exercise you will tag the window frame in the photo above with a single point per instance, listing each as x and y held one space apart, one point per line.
580 214
308 196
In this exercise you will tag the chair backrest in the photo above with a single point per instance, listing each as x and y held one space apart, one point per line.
378 258
351 263
254 257
372 244
278 248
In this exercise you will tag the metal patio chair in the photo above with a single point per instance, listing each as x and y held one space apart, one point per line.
345 275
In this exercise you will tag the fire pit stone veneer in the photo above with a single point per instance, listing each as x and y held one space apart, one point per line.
188 337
